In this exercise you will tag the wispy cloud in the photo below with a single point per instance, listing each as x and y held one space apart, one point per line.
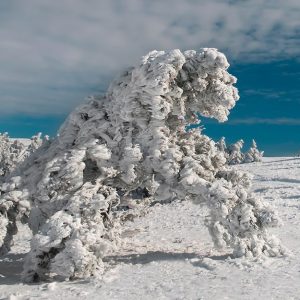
77 46
270 121
272 94
266 93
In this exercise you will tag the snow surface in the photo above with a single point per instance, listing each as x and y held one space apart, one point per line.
166 256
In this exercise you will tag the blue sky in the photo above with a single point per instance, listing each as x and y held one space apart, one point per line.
55 53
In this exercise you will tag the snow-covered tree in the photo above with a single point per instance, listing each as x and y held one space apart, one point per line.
36 142
222 147
11 153
235 154
253 154
129 140
14 151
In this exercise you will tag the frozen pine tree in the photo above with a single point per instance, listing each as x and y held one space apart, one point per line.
14 151
235 154
11 153
221 146
253 154
131 140
36 142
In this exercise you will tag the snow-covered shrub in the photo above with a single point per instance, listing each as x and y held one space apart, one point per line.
222 147
131 140
11 152
14 151
253 154
36 142
235 154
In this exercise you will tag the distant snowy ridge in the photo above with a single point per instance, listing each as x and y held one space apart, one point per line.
132 143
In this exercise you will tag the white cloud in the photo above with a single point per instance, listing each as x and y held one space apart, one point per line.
71 45
270 121
278 95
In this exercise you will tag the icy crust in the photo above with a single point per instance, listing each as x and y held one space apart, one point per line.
133 139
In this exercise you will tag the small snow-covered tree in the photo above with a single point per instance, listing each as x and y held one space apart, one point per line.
14 151
129 140
36 142
222 147
253 154
235 154
11 153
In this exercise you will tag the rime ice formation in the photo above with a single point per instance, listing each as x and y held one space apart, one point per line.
222 147
234 155
253 154
13 152
130 140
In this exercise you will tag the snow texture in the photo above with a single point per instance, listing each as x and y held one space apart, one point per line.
133 139
167 253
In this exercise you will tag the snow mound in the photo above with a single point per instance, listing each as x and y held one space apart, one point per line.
133 141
